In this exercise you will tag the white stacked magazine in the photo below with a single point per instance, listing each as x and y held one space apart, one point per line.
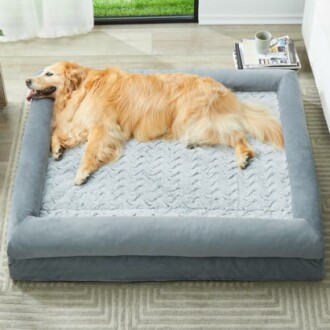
282 55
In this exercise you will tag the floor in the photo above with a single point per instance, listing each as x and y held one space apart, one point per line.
189 305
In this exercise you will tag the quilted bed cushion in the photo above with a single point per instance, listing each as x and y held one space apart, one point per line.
162 178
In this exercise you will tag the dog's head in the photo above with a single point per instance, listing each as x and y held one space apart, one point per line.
61 77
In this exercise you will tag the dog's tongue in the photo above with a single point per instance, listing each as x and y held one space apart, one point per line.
30 95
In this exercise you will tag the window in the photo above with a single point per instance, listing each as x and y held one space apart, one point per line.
145 11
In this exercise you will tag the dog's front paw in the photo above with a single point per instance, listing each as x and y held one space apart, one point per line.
81 178
57 154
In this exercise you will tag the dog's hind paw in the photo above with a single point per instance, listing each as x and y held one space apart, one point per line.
191 146
245 160
244 164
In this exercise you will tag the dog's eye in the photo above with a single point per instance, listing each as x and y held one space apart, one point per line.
48 74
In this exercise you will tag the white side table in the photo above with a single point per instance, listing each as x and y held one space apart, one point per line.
3 98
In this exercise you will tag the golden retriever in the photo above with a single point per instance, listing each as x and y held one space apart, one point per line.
108 107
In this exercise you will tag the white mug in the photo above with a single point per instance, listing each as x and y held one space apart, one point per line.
263 39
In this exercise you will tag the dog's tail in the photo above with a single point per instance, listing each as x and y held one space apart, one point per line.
262 125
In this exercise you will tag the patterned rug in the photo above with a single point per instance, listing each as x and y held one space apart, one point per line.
176 305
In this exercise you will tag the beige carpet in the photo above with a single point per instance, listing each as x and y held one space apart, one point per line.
178 305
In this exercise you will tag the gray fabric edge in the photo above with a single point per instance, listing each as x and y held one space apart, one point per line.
192 237
146 268
305 198
236 80
46 237
32 164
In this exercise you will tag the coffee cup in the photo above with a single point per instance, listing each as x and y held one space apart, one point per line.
262 40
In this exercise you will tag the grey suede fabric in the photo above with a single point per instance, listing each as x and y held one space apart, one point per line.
146 268
166 240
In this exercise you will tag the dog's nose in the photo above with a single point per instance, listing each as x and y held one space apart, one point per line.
28 81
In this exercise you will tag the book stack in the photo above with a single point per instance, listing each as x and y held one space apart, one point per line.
282 55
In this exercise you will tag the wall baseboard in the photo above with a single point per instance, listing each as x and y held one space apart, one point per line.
249 19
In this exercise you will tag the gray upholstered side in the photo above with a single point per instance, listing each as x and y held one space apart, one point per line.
159 236
304 183
33 237
146 268
32 164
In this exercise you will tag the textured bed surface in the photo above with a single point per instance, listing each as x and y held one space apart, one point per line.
164 178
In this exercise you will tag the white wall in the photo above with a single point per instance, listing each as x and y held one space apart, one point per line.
251 11
316 32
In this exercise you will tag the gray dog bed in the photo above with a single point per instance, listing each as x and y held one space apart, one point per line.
163 212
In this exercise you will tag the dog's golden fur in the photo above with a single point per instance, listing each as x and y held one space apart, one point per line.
108 107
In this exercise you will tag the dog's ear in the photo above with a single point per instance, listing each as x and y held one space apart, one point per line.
74 75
